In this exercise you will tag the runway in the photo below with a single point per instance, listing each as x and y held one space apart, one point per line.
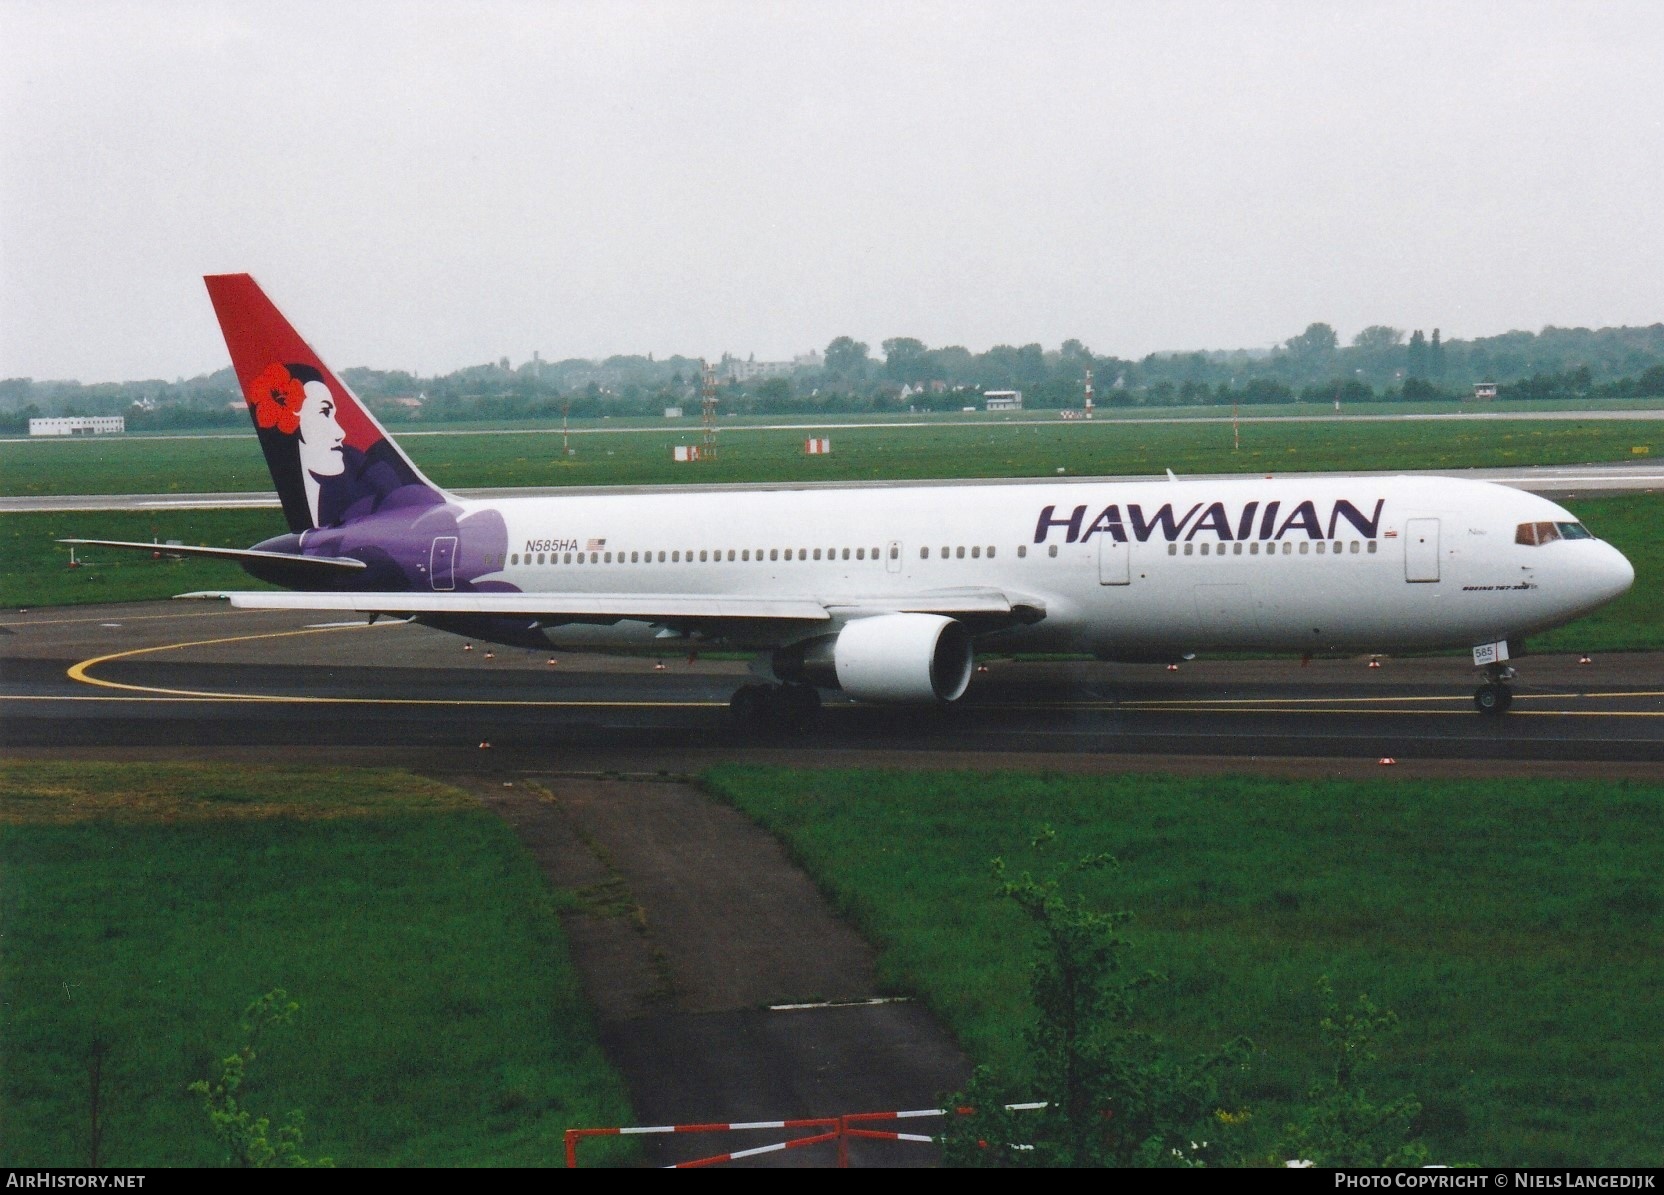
200 675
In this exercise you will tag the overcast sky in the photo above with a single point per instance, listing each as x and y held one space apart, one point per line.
430 185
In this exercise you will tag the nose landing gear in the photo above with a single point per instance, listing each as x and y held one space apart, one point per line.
1495 695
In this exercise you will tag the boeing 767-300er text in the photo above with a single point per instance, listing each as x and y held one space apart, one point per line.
887 593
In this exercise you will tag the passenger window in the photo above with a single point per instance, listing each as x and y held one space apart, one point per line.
1372 547
976 553
730 554
661 557
1022 551
569 558
609 557
774 553
514 559
1254 548
540 557
817 553
990 551
1288 549
1236 549
676 556
959 553
846 553
1354 547
1321 547
1189 548
1052 551
1172 549
860 553
1204 548
746 554
1305 547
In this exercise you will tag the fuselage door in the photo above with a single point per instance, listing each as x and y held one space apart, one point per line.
892 556
1114 561
442 562
1421 550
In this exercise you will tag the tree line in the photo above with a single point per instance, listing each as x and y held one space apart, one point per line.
1379 363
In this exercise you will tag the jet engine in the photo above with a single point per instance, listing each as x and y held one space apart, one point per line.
894 658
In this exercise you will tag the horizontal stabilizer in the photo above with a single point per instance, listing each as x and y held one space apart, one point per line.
321 563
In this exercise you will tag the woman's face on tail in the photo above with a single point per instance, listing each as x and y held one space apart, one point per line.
320 435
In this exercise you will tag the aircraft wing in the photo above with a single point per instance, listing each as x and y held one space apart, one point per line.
669 608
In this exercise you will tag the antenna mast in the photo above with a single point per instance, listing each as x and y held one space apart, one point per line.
708 412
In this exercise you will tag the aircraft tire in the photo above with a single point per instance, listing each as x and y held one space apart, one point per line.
799 706
1493 699
752 706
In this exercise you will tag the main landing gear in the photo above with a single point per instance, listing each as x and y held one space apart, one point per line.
1495 695
775 707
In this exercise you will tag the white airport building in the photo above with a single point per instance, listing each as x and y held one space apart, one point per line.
78 425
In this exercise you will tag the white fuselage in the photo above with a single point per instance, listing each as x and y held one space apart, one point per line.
1120 568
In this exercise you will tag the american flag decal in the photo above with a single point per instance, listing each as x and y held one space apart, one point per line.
595 545
1389 535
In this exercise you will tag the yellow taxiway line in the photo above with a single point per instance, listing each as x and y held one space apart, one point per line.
81 672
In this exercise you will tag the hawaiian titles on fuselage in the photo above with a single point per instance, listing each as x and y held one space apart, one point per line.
1253 520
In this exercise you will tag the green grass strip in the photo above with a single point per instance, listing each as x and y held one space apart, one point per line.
533 456
1512 925
146 905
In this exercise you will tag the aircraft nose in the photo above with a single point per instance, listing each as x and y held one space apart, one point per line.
1615 574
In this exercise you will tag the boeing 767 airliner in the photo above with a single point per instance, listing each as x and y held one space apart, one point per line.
887 593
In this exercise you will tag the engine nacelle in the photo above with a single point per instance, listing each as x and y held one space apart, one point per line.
894 658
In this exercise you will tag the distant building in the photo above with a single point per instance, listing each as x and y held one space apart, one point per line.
1484 391
78 425
1002 400
744 371
673 412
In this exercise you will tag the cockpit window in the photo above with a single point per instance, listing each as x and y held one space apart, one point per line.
1538 534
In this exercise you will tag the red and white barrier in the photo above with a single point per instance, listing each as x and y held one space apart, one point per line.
839 1129
818 446
685 452
573 1136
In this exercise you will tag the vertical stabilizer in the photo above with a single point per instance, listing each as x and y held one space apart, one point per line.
331 461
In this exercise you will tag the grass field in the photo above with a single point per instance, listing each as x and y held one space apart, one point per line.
880 452
34 570
147 905
1511 925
